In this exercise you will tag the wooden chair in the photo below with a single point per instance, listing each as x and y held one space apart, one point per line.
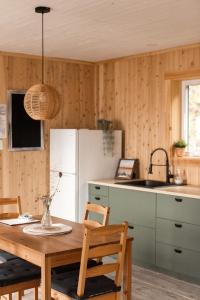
8 203
16 275
90 208
9 208
92 282
99 210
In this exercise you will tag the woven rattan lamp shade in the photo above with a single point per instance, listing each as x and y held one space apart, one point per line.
41 102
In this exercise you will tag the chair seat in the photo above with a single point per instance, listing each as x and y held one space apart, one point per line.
74 266
6 256
16 271
67 283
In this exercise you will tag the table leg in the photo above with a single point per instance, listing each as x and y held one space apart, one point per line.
127 272
46 278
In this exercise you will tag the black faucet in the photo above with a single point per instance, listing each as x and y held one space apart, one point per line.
168 173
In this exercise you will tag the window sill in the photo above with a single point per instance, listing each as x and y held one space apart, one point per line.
195 159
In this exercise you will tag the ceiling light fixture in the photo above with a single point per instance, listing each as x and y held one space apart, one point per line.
41 101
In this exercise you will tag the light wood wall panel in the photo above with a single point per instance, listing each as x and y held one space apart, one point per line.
133 92
26 173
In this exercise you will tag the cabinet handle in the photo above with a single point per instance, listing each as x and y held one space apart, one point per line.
178 199
97 198
97 187
178 225
178 251
130 227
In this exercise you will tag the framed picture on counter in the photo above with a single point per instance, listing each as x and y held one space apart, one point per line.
125 169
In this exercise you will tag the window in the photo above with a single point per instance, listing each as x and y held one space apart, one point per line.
191 115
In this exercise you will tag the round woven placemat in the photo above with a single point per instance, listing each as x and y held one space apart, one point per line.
55 229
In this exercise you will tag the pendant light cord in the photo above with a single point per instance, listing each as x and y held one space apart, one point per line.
42 48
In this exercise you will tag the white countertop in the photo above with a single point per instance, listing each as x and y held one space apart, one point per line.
192 191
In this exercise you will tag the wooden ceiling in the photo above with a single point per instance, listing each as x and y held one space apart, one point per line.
96 30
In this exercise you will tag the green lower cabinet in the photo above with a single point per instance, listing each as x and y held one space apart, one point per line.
143 246
165 228
178 233
136 207
178 260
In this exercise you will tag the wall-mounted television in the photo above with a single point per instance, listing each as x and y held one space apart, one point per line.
24 132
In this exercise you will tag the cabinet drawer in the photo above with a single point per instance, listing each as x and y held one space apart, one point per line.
98 199
179 234
134 206
178 208
143 252
96 189
178 260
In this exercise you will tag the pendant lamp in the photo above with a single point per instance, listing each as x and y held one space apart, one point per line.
41 101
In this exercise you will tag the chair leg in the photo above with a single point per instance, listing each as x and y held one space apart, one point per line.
19 295
36 293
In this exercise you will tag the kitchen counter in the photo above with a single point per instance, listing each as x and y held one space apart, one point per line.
191 191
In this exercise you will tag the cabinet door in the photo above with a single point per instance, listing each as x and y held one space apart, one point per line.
135 207
178 233
178 260
178 208
143 246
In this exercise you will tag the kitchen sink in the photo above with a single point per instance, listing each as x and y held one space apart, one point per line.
146 183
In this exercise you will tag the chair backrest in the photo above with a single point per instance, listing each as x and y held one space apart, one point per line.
100 242
11 207
97 209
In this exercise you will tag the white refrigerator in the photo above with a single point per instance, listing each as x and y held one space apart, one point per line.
79 155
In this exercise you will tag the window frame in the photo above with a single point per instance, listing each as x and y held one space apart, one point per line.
185 109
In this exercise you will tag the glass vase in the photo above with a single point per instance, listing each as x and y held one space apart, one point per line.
46 220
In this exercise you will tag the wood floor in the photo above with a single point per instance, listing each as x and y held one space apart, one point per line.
149 285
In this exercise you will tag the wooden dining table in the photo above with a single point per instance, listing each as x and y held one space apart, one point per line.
52 251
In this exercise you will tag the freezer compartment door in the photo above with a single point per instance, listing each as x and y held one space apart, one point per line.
63 150
64 202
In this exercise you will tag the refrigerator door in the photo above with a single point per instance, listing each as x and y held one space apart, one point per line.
93 162
64 202
63 150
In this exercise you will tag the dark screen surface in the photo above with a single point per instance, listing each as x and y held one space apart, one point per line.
26 132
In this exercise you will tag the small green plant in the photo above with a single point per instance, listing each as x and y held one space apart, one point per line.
180 144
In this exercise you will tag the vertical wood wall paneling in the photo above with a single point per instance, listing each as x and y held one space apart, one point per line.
133 92
142 105
3 94
26 173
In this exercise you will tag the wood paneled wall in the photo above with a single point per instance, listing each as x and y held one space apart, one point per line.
26 173
133 92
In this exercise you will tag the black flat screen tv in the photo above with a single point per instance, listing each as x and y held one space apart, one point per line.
24 132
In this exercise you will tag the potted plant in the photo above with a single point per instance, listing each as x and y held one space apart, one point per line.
179 147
